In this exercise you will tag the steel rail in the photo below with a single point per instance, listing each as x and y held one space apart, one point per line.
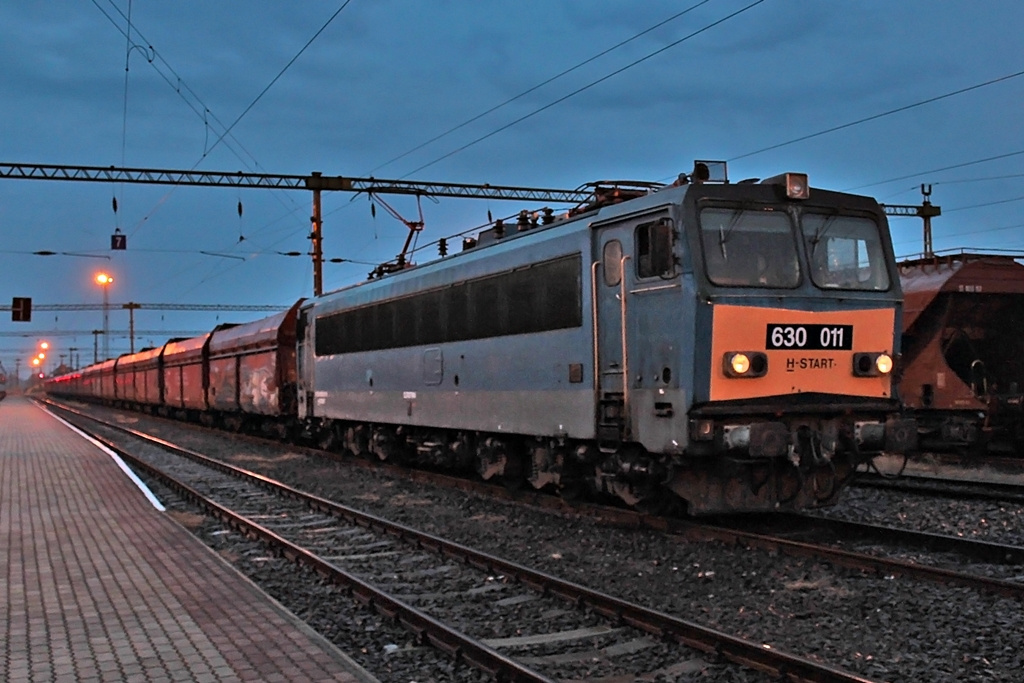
845 558
760 656
426 628
985 551
958 489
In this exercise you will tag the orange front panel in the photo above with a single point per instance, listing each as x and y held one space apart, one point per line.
794 370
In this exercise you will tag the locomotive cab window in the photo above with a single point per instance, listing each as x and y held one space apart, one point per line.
654 250
611 262
845 252
749 248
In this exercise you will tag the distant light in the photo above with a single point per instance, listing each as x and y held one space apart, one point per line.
41 355
104 279
35 361
44 345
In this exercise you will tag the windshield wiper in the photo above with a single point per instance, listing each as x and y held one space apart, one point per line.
819 233
725 233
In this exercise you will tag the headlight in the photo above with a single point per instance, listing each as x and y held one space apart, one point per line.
740 363
884 363
872 364
745 364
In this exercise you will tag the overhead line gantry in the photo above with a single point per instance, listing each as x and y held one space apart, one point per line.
315 182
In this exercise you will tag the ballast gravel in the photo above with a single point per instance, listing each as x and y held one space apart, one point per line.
881 627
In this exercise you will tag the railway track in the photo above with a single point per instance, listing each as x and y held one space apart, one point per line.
838 541
947 487
452 597
829 539
950 475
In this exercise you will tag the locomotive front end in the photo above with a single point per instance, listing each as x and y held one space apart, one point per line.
798 314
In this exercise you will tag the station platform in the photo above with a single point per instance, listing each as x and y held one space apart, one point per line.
98 584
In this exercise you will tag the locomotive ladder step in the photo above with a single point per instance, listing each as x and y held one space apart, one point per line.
611 423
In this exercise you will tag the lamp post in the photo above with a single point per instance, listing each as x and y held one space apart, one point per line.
104 280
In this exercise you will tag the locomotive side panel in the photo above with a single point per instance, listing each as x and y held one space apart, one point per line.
494 342
526 387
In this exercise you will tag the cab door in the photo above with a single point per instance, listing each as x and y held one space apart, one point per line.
611 296
629 256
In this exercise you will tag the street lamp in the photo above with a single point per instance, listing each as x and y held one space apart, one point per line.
39 361
104 280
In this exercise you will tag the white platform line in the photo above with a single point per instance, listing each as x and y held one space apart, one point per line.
150 496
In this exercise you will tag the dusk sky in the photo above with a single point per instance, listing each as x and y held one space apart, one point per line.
871 96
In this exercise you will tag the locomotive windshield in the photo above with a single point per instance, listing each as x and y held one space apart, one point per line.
749 248
758 248
845 252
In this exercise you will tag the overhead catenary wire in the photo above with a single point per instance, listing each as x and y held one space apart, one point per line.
179 85
205 113
202 111
586 87
540 85
938 170
281 73
874 117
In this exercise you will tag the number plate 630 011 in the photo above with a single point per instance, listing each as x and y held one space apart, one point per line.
809 337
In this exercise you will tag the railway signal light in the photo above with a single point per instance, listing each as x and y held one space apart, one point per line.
442 246
21 309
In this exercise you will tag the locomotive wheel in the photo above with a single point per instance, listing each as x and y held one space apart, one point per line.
514 476
572 490
658 503
825 483
327 439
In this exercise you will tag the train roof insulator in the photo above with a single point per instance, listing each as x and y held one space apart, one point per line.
795 184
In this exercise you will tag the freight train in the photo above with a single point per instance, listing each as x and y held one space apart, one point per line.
727 346
963 351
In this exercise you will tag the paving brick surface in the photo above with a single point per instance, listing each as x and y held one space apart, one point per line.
98 585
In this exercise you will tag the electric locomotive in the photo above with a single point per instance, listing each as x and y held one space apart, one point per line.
729 346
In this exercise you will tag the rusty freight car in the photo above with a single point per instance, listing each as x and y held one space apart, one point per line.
963 350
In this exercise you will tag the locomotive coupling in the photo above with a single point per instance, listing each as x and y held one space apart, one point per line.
759 440
900 435
894 435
